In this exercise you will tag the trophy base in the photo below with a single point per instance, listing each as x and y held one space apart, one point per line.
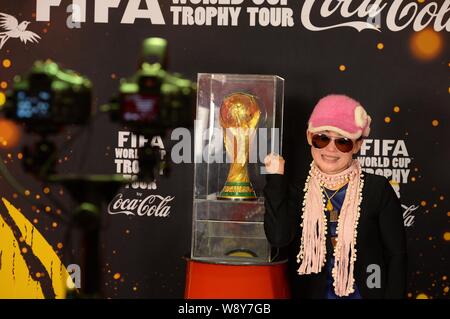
237 191
241 252
236 198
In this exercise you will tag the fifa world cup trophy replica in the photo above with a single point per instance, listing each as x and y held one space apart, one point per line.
239 117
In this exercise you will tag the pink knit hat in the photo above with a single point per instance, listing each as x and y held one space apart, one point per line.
340 114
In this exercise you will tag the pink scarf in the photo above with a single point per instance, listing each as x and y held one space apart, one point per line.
313 244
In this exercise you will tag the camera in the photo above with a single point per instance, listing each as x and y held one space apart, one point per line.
49 98
45 100
153 101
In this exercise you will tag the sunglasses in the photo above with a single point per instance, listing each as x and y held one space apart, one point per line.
343 144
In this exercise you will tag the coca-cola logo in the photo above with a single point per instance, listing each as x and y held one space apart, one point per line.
152 205
408 214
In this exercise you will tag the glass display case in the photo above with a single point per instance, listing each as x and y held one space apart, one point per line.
239 121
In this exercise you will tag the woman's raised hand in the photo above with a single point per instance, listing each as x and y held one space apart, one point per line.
274 164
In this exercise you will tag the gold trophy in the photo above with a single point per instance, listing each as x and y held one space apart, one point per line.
239 116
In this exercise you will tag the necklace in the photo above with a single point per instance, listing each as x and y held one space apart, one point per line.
329 206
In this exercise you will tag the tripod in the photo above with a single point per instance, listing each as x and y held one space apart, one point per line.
90 192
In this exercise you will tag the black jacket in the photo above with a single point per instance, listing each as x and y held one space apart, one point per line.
380 240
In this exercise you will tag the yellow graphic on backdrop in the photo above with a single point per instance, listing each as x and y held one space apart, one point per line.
29 267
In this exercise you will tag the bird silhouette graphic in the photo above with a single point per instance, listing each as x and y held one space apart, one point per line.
15 30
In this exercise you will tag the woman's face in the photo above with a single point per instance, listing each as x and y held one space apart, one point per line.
330 159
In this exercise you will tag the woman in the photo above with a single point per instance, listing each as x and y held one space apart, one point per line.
343 229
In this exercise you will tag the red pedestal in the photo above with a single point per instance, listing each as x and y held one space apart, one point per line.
223 281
